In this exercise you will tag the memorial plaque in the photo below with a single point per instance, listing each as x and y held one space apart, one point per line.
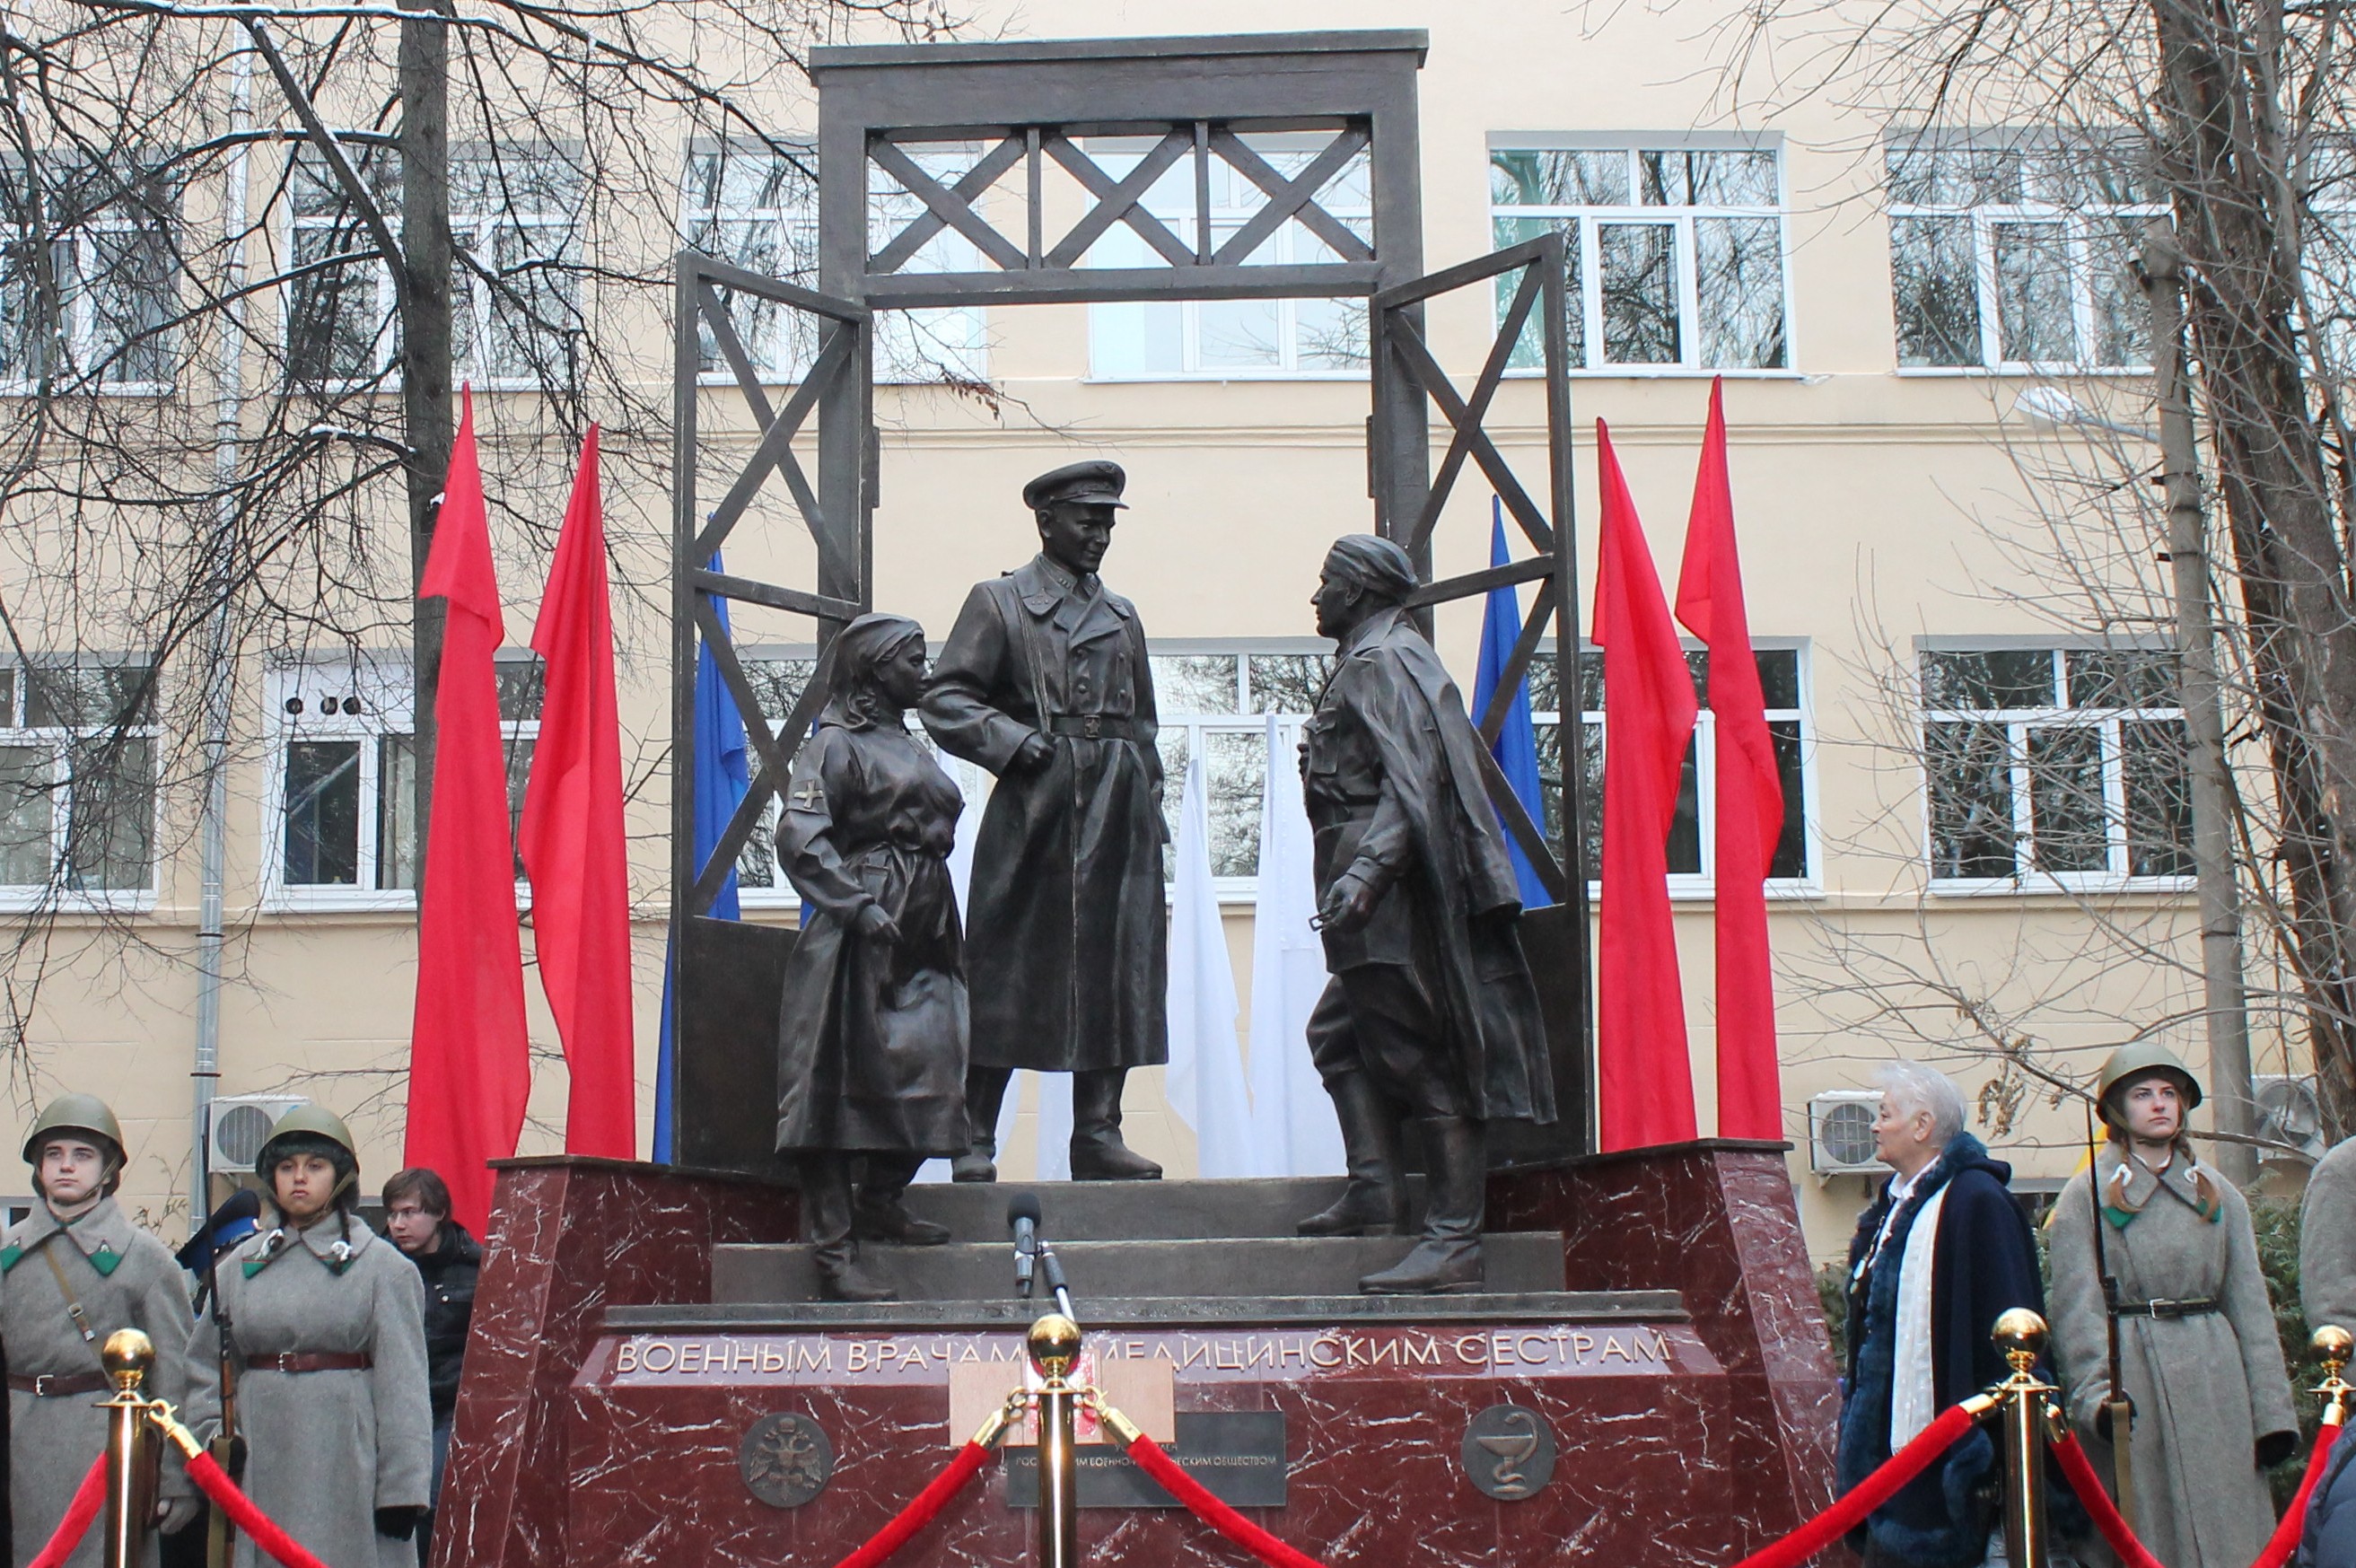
1509 1452
1238 1455
785 1460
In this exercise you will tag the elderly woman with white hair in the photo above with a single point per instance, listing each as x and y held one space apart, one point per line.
1944 1249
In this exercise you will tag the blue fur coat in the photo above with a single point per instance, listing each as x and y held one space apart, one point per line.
1986 1262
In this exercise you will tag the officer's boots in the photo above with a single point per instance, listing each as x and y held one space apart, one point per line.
1448 1259
1098 1152
880 1213
1375 1203
825 1226
985 1091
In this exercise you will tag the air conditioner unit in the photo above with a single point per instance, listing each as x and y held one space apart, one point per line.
1840 1133
2289 1111
237 1127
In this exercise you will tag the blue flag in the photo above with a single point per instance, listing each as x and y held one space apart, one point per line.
718 738
1516 749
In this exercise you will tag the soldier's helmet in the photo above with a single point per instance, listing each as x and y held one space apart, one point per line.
75 1113
2141 1060
310 1129
83 1113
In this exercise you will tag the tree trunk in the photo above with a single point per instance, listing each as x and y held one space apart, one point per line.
426 346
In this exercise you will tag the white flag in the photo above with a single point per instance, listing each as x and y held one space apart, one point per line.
1293 1128
1206 1065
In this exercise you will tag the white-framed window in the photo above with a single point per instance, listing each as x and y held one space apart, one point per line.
756 207
1693 831
1231 339
2017 257
341 827
515 213
88 281
1214 700
1676 253
341 328
2054 769
78 799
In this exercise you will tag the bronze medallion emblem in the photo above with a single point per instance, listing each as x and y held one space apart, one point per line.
1509 1453
785 1460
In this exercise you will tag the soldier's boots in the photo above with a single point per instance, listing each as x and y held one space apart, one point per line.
827 1211
885 1217
841 1279
985 1091
979 1163
1448 1260
1375 1203
1098 1152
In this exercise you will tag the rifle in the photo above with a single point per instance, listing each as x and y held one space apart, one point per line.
227 1450
2120 1407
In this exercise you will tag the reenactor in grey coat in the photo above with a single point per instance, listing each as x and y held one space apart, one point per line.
2326 1240
2198 1349
72 1272
324 1323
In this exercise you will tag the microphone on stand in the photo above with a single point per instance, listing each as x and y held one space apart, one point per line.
1054 1272
1023 1219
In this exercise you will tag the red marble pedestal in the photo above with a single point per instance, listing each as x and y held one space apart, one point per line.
1694 1428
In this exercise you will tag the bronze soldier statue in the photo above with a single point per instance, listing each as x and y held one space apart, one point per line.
1043 680
871 1033
1430 1013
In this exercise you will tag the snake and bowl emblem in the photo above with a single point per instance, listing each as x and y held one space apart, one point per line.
785 1460
1509 1452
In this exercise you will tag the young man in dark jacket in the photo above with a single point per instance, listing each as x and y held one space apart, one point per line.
417 1218
1944 1249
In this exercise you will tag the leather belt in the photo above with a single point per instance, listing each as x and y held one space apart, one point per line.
312 1361
1093 726
57 1385
2197 1306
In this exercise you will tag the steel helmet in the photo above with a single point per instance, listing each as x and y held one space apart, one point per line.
75 1113
2142 1060
306 1121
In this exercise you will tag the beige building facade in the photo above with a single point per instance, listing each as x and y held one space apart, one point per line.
1987 852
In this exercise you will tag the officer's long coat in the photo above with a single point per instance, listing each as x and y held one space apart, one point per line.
2205 1388
2326 1244
124 1278
324 1450
1066 951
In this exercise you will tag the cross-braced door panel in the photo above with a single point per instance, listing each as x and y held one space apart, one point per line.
760 473
1526 282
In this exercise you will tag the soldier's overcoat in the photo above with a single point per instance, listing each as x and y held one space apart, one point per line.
1066 949
122 1278
2206 1385
325 1449
2326 1240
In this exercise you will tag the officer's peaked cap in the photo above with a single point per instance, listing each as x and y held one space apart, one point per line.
1096 481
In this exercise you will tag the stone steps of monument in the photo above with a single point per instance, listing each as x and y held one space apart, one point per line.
1193 1268
1135 1210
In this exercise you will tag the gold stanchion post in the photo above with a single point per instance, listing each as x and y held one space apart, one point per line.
131 1456
2020 1336
1055 1346
2334 1347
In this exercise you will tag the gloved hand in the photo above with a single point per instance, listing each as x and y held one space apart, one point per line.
398 1524
2102 1417
2274 1447
174 1514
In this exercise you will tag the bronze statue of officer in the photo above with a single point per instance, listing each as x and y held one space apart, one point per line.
1431 1013
1043 680
871 1033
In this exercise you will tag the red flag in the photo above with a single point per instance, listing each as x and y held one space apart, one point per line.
1645 1085
469 1072
572 835
1750 799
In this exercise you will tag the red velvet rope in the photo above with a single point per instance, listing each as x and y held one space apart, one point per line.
2134 1555
206 1473
921 1512
2106 1515
1198 1500
1869 1494
87 1499
2285 1540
